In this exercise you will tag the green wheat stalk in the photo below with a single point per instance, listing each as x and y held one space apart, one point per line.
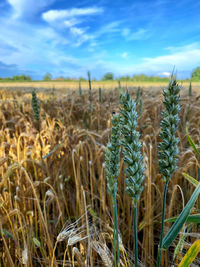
112 164
100 95
36 113
190 89
90 90
36 108
168 148
119 86
132 157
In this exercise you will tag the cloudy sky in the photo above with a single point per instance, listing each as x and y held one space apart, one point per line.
68 38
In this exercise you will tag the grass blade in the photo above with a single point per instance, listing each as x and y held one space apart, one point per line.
192 144
191 254
36 242
179 246
195 218
182 218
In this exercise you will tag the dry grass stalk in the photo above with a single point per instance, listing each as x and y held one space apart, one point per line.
103 252
76 252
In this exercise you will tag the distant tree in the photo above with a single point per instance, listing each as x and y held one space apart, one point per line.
47 77
21 78
196 74
108 76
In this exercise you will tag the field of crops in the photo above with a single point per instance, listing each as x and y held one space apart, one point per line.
73 85
54 206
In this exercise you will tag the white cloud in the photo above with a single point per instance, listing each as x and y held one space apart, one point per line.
113 27
71 22
53 15
189 47
76 31
83 11
50 35
82 39
70 18
109 28
45 46
165 73
140 34
184 61
28 7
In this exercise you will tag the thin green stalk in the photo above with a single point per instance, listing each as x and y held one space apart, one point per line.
162 225
100 95
115 249
79 87
190 89
116 238
119 87
90 91
116 229
135 234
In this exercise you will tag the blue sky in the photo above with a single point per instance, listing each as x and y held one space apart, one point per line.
68 38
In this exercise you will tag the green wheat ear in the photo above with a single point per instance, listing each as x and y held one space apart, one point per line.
112 164
35 106
132 155
112 156
100 95
190 89
132 158
168 148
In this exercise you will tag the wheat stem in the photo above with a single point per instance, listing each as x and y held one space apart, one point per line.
162 224
135 235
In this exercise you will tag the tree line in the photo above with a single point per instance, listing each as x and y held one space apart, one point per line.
109 76
17 78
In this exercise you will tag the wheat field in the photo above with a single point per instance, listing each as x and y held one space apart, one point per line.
69 85
54 205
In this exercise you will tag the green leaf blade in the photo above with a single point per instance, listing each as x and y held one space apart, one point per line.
194 218
192 144
182 218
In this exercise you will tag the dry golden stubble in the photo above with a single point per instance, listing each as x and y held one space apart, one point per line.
55 127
